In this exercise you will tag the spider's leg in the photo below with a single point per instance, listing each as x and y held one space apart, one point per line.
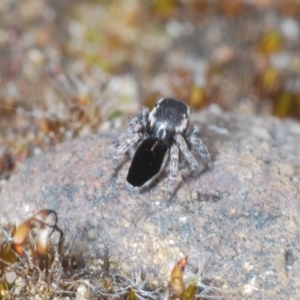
173 167
194 139
131 137
186 152
135 126
124 146
144 117
122 137
139 124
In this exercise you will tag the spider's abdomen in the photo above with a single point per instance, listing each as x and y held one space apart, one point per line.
169 117
147 161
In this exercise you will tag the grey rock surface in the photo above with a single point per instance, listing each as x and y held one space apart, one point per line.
243 216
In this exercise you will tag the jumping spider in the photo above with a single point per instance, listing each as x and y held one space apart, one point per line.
159 137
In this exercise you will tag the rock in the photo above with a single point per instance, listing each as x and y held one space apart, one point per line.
242 216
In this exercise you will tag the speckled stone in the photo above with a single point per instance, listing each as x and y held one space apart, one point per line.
242 216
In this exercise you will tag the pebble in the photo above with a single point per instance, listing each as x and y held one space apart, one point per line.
35 56
286 169
290 28
81 291
261 133
10 277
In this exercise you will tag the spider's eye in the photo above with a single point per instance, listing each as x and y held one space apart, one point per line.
147 161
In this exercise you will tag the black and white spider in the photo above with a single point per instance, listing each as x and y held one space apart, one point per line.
159 138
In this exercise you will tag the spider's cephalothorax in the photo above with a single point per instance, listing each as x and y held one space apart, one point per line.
159 138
